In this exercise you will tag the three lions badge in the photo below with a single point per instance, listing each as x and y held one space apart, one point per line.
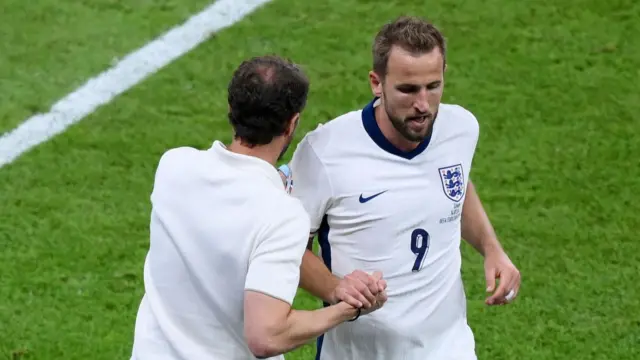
452 181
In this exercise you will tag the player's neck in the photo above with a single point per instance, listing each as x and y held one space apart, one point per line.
390 132
268 153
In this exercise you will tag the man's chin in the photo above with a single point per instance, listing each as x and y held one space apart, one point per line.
417 135
416 138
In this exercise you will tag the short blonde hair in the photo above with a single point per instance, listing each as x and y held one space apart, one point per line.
412 34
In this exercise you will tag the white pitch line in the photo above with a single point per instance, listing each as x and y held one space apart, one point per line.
128 72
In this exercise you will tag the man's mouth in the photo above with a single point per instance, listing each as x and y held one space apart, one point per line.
419 119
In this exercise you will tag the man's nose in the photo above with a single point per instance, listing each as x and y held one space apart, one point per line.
422 102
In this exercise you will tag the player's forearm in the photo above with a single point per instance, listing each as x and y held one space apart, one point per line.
304 326
316 278
476 226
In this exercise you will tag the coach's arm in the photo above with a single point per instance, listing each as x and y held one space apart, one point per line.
358 289
271 326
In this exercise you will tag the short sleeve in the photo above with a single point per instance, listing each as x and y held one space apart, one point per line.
274 266
310 183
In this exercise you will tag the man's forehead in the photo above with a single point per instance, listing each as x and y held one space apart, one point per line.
405 65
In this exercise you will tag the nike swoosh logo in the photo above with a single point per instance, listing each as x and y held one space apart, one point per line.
365 199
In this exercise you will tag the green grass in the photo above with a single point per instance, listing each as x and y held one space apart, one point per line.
552 84
50 47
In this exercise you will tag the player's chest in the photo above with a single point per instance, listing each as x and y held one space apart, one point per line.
402 192
394 215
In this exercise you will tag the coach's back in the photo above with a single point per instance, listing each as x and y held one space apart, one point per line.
211 212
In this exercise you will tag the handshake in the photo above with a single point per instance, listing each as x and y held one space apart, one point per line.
361 290
358 289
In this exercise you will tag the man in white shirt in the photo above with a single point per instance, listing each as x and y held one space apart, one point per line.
227 240
387 188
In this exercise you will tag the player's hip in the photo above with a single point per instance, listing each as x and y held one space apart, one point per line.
356 342
428 313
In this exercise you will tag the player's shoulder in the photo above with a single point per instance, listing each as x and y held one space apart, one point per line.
326 134
459 112
459 116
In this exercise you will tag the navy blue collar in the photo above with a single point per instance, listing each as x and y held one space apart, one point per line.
372 128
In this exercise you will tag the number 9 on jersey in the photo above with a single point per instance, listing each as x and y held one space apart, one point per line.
419 246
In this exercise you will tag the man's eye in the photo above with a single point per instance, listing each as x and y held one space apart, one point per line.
408 89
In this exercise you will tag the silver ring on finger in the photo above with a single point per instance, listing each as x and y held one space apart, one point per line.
510 295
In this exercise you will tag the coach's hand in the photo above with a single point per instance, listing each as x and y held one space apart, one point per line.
361 290
498 266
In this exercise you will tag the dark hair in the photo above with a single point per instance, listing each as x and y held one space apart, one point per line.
264 95
412 34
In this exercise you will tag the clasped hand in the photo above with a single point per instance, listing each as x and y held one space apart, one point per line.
362 290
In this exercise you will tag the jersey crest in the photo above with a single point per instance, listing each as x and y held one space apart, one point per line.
452 181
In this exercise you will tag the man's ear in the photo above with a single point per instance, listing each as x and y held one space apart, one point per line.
376 83
292 124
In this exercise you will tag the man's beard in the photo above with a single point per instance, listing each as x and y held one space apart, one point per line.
401 126
286 147
284 150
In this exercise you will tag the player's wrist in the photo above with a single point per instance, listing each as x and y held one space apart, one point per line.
491 247
332 297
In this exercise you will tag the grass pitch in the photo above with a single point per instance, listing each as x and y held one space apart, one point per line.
553 84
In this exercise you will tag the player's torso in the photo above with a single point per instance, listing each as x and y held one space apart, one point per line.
395 216
395 213
402 217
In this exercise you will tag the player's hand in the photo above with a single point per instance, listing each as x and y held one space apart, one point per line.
381 297
360 289
498 266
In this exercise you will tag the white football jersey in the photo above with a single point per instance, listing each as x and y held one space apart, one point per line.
221 223
375 207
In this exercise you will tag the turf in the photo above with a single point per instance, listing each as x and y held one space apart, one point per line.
552 85
51 47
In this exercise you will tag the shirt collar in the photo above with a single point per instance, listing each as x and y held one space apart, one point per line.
248 162
374 132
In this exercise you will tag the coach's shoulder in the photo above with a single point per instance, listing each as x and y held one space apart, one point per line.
175 154
174 160
289 210
296 210
178 154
